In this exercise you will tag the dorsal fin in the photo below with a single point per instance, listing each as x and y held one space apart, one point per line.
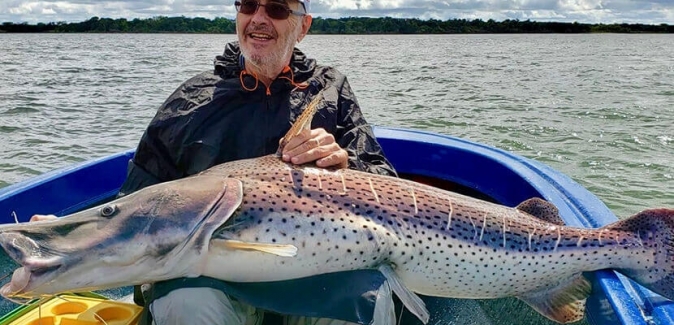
303 122
542 210
564 303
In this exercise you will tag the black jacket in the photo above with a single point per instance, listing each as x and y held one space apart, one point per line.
224 115
211 119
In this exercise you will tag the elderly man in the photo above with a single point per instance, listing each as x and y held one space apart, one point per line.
240 110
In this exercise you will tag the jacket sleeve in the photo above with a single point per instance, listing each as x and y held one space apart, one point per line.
154 159
357 137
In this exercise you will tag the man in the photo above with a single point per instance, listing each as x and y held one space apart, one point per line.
241 110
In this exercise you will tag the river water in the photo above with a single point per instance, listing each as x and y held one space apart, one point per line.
598 107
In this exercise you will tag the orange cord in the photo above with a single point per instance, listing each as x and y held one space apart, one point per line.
287 69
243 84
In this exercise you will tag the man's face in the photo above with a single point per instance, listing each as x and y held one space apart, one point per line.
268 42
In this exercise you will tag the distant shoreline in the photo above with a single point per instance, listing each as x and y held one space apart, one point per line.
341 26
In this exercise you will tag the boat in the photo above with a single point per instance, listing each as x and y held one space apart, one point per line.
443 161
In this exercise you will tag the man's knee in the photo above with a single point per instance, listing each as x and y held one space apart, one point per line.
201 306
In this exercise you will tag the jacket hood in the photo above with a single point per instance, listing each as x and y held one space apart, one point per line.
231 62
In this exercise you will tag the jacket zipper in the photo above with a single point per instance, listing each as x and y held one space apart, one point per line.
267 103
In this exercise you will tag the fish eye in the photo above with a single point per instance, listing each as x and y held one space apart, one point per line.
108 210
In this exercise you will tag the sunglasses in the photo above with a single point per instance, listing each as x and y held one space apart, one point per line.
275 10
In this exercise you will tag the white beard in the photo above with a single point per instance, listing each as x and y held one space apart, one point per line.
270 65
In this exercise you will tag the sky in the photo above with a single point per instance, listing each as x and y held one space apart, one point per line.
583 11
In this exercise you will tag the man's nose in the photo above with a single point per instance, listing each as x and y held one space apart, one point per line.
260 14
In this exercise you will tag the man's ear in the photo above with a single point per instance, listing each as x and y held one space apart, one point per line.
306 24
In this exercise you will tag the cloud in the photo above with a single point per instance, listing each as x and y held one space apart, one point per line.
585 11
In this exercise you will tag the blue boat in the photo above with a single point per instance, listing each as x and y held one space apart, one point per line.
443 161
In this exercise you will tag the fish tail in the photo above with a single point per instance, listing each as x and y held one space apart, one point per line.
654 234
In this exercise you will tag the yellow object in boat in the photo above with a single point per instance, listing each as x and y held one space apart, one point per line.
74 310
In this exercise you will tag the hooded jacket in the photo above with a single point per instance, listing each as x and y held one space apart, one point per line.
225 115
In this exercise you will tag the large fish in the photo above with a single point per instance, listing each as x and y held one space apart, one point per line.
264 220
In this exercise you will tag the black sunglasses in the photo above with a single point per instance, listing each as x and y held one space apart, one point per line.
275 10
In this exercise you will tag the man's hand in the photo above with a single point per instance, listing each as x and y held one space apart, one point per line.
42 217
315 145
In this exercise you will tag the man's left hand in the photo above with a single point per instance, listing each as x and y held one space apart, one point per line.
315 145
42 217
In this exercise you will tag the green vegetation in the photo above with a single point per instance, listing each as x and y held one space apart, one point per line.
351 25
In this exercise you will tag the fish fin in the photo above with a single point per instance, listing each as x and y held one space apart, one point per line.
542 210
650 231
384 308
303 122
413 303
276 249
564 303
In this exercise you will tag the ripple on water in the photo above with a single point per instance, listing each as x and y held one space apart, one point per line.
664 140
9 129
21 110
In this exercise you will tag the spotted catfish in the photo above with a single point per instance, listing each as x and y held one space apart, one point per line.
264 220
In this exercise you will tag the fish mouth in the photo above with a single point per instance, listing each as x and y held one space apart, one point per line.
26 278
34 268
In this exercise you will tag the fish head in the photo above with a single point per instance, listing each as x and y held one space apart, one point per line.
157 233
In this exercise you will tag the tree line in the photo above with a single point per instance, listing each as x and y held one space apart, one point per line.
350 25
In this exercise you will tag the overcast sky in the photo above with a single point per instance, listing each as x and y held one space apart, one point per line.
584 11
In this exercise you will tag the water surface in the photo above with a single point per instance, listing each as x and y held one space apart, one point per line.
598 107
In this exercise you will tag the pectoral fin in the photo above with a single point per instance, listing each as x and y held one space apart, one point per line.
276 249
564 303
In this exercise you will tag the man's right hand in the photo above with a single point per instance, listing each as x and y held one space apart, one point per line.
315 145
42 217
